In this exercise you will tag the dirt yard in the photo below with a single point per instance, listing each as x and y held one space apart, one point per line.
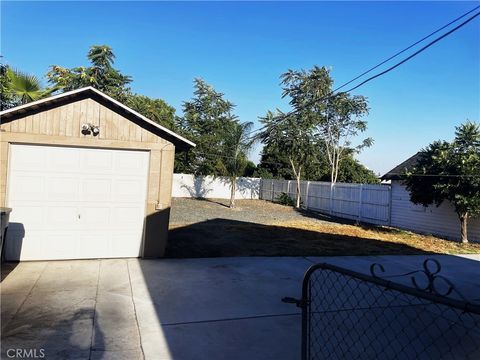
208 228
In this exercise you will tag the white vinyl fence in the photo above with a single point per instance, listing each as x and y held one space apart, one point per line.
375 204
362 202
187 185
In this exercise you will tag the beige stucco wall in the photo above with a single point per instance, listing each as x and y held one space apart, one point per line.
62 126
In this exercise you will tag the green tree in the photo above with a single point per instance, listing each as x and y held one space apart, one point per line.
275 164
341 124
100 75
154 109
250 169
20 88
449 171
8 99
103 76
207 119
236 146
352 171
293 133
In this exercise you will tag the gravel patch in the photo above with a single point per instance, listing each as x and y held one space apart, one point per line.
190 211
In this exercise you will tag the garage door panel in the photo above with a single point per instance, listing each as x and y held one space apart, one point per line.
59 245
29 158
62 216
97 189
63 159
97 161
27 186
95 209
128 190
62 188
98 217
127 247
130 163
95 245
128 215
28 216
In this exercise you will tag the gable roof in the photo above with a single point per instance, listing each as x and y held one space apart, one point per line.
90 92
399 171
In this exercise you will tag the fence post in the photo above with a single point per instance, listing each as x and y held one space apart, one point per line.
360 204
273 191
306 195
260 190
288 188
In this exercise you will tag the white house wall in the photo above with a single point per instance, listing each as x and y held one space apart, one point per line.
441 221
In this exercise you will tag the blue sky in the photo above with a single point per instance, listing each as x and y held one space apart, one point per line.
241 48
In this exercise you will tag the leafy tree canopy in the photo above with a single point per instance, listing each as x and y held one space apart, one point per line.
100 75
208 119
449 171
19 88
274 164
103 76
154 109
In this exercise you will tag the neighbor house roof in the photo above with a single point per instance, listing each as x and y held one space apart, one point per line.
399 171
90 92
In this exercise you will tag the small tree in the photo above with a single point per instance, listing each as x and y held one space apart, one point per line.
341 124
293 133
450 171
293 138
236 145
207 118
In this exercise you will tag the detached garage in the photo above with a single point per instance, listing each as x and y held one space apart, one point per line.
87 177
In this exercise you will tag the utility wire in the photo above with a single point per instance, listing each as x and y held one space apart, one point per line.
332 93
416 52
214 156
407 48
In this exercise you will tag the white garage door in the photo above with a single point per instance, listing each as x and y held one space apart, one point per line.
75 203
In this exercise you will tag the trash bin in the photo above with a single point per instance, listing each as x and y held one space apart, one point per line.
4 216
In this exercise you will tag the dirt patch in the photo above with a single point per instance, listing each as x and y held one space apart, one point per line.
208 228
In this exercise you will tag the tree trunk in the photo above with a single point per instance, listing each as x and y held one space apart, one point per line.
464 227
233 186
298 176
298 192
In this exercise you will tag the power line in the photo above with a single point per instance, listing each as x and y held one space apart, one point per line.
332 93
321 163
416 52
407 48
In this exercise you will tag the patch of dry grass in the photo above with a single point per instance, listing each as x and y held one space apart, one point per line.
207 228
425 243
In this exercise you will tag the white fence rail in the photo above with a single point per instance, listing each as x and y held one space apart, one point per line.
366 203
188 185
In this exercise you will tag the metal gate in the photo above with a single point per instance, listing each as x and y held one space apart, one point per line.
350 315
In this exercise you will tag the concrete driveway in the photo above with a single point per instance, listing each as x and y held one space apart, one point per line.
222 308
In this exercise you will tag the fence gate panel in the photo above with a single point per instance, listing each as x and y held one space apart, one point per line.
350 315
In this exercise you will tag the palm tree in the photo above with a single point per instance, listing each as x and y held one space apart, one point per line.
26 87
236 146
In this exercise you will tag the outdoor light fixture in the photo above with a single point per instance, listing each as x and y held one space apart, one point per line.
88 128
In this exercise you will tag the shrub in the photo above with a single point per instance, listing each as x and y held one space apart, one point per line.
284 199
